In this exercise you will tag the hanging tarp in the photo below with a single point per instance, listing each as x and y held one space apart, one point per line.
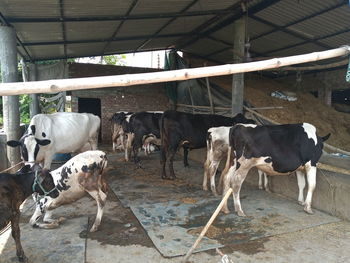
194 92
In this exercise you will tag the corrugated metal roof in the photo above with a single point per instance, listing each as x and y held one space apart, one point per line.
51 29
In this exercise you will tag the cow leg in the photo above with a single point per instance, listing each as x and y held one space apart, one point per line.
94 141
16 236
311 181
172 153
236 187
266 183
185 156
260 179
100 198
163 157
136 145
128 148
206 171
226 179
212 172
301 186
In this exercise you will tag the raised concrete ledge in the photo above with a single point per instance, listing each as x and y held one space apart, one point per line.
332 194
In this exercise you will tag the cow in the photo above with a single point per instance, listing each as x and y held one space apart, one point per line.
276 150
82 174
14 189
141 124
180 129
217 147
118 135
61 132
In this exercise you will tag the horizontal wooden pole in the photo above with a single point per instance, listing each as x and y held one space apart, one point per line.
47 86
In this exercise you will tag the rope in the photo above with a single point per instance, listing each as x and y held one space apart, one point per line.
8 169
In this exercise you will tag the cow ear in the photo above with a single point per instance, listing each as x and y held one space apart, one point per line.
42 142
13 143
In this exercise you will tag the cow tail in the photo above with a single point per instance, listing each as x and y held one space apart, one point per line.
325 138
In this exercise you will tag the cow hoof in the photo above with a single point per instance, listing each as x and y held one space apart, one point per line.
241 213
61 219
309 211
22 258
225 211
205 188
301 203
261 188
268 190
93 229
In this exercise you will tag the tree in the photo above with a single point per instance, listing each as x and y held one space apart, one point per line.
114 60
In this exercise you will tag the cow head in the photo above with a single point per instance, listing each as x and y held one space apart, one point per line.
29 146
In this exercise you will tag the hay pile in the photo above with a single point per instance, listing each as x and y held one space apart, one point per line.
306 109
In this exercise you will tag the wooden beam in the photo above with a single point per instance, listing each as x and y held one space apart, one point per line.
47 86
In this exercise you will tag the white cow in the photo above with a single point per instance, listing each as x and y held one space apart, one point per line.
61 132
82 174
217 147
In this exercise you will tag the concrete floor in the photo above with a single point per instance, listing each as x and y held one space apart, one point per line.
121 238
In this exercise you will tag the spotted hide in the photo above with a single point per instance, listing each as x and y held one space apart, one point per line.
82 174
276 150
217 147
61 132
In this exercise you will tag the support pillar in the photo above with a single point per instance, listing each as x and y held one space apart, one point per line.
238 55
9 73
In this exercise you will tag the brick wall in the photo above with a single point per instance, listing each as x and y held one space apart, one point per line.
150 97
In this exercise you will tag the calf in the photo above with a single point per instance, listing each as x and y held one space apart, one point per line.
61 132
180 129
217 147
14 189
276 150
84 173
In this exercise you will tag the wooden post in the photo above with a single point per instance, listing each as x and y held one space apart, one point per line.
238 54
9 73
209 96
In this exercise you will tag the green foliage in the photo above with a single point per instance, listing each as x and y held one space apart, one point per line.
24 101
114 60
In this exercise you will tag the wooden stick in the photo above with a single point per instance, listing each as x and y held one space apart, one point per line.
209 96
18 88
205 229
332 168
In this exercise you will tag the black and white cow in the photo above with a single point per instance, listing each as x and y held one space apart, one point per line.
143 124
61 132
82 174
180 129
276 150
119 139
217 147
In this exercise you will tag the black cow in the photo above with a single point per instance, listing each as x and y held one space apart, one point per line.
189 131
275 150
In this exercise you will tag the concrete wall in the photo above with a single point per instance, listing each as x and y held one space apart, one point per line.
332 192
149 97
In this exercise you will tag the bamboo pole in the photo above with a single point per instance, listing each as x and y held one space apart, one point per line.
211 220
227 108
332 168
46 86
